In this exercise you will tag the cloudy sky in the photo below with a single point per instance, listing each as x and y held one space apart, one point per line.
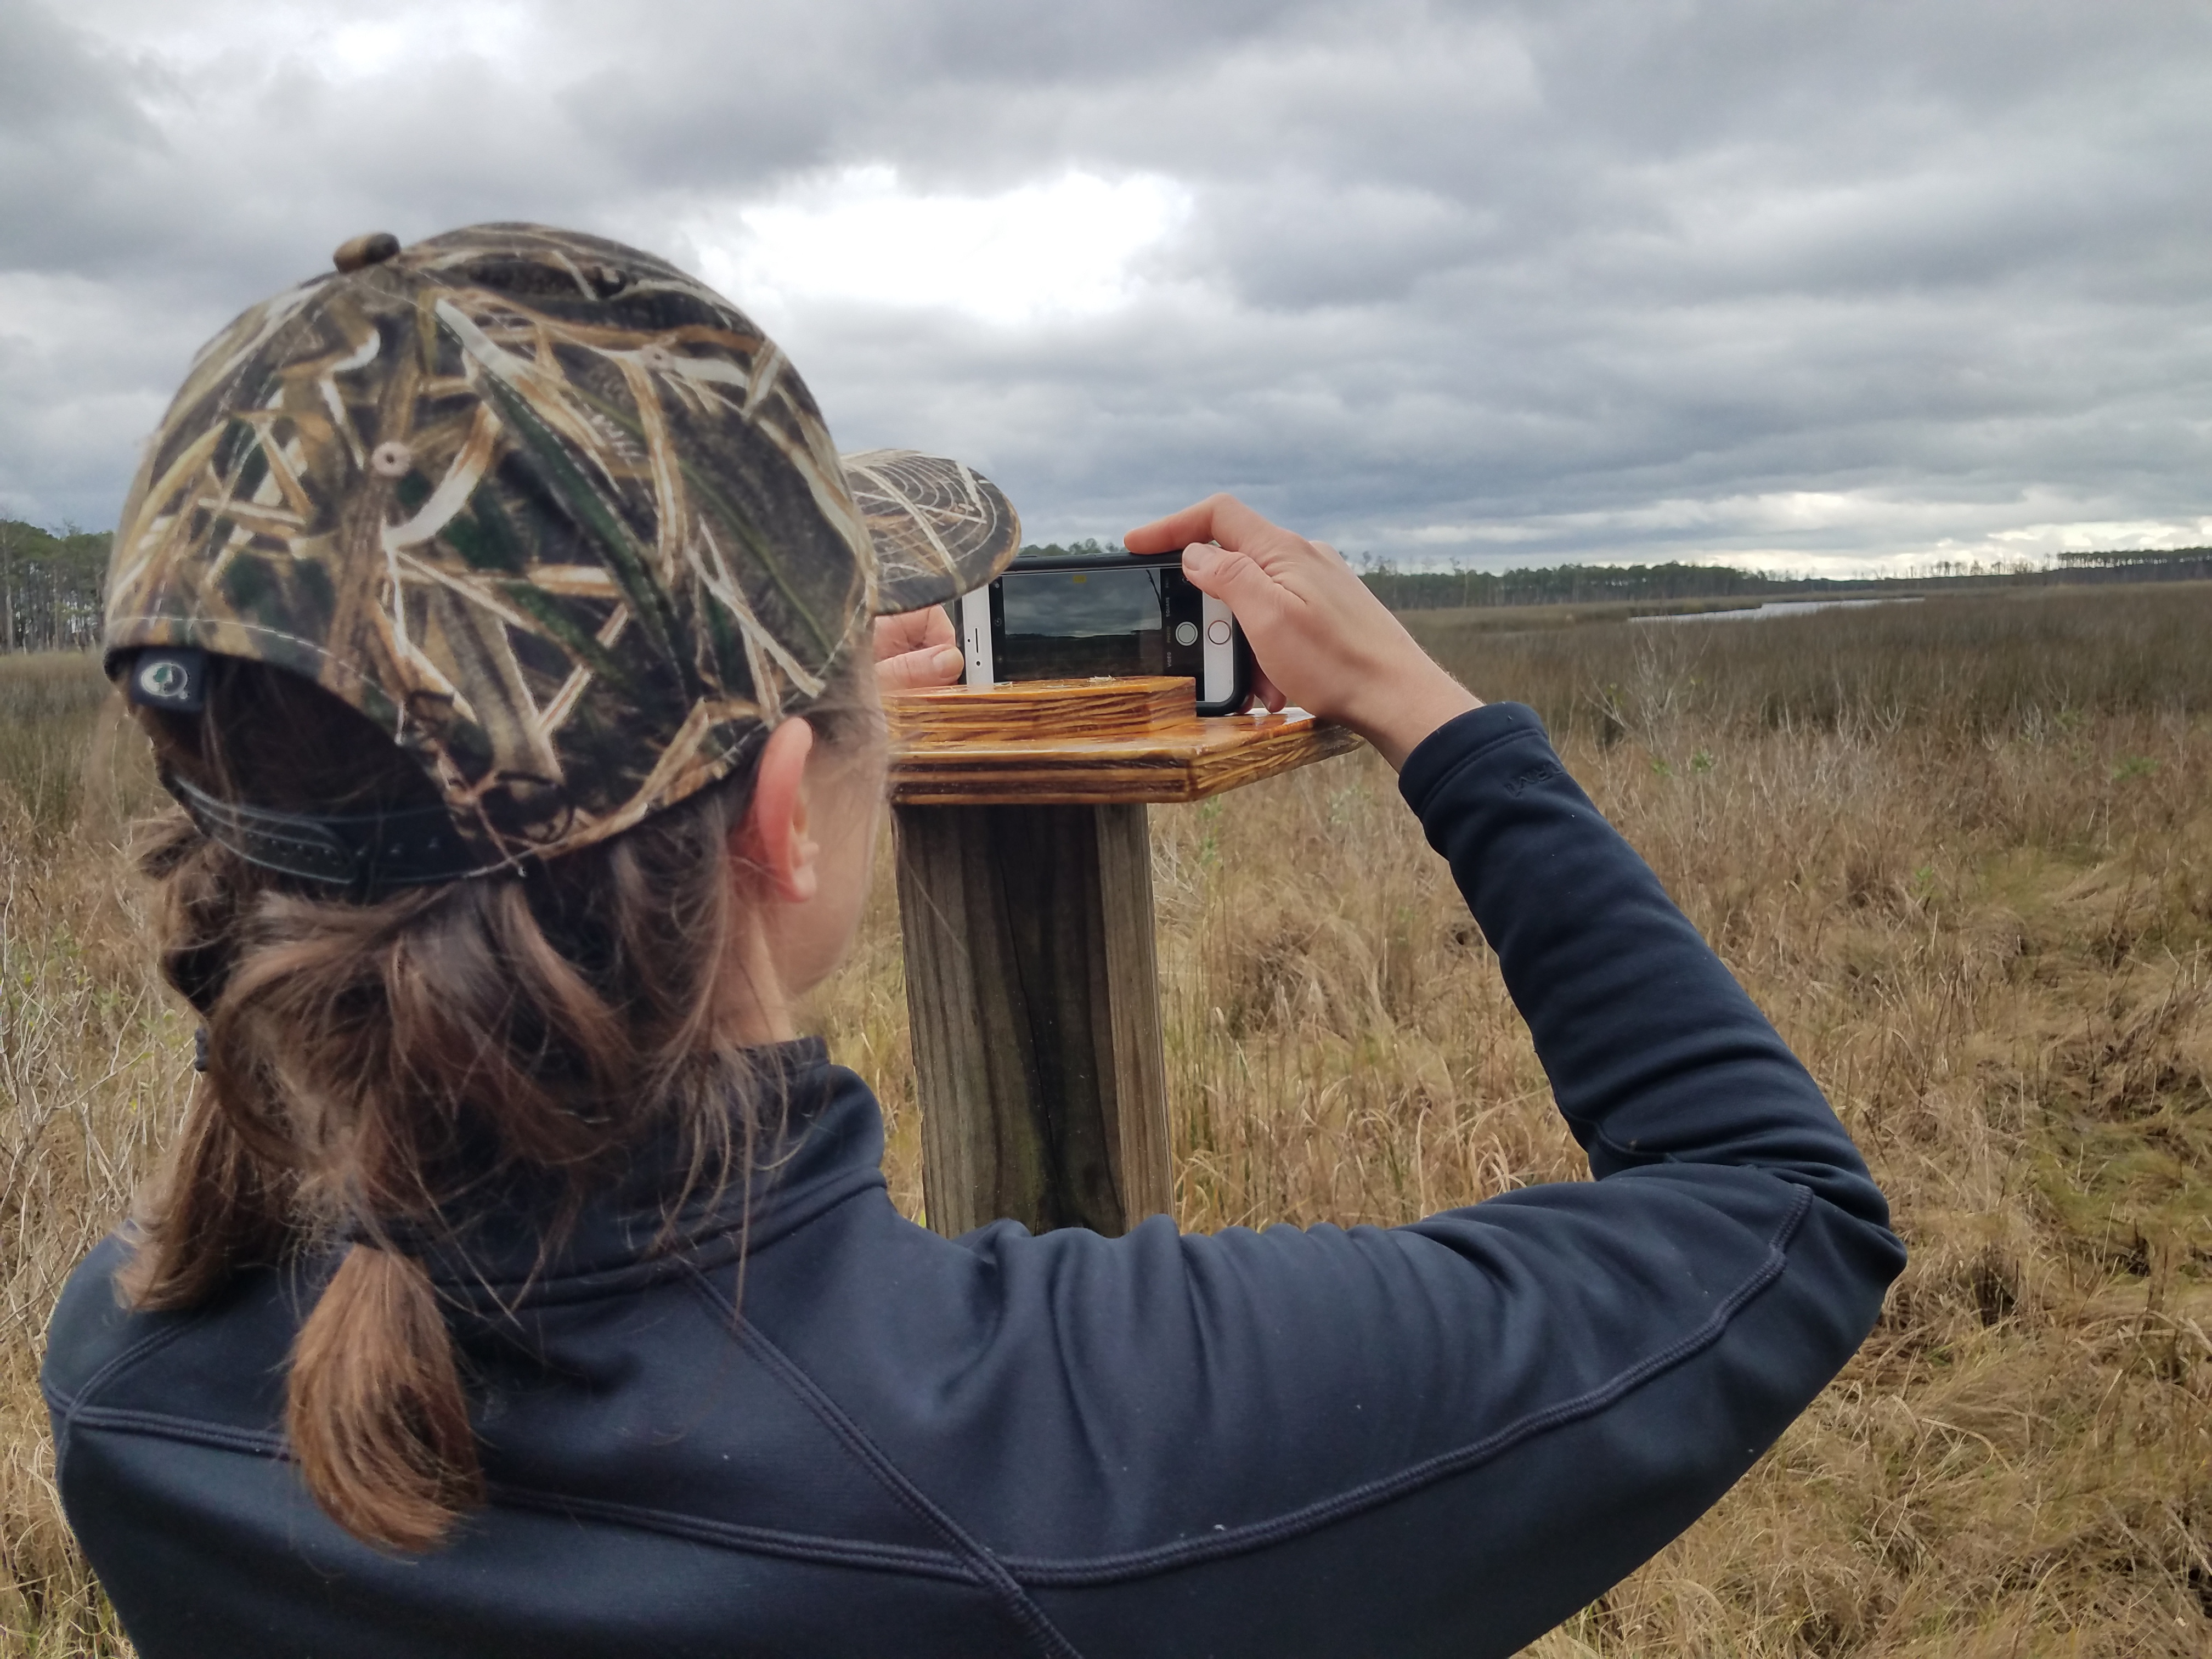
1807 283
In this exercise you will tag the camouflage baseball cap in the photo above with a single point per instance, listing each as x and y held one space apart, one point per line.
556 516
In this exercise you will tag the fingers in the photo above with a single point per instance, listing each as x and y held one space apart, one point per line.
912 631
914 651
1222 519
1193 523
1320 637
918 671
1236 579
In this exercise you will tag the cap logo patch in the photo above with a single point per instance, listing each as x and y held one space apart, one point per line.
174 680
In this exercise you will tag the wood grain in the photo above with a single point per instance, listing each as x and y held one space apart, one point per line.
1032 993
1087 743
1031 710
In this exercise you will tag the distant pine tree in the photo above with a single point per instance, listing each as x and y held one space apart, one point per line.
50 587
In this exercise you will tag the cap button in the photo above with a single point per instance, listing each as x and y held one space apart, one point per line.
372 249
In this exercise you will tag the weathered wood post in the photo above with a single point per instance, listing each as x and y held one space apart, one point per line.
1025 902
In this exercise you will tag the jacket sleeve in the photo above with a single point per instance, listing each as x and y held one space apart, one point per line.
1448 1437
1654 1052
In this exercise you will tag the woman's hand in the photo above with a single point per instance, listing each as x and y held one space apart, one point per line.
1320 637
916 650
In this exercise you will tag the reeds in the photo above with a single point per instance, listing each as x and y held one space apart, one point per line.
2012 662
94 1057
1960 851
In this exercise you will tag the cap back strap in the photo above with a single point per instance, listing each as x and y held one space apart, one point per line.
365 852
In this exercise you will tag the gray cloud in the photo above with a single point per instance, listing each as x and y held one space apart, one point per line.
1589 279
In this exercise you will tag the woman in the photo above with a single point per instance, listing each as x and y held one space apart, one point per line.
499 615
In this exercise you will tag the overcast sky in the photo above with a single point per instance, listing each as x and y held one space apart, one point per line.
1786 283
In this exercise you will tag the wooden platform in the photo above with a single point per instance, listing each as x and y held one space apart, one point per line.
1087 743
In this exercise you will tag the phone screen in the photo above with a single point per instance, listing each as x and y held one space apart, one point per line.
1066 624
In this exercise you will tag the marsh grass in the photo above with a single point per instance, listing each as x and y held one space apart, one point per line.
94 1059
2011 663
1960 852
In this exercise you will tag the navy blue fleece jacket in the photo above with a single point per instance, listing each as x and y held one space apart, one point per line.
1440 1438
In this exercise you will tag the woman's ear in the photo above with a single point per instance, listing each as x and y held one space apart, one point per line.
771 844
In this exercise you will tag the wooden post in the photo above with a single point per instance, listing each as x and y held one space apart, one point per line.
1026 901
1033 1000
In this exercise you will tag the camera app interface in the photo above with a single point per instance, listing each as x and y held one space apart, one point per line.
1066 624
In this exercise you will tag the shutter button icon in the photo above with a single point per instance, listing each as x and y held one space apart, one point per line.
1186 633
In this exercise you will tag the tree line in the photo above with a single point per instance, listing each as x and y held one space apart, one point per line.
1590 584
49 588
2162 559
1586 584
1566 584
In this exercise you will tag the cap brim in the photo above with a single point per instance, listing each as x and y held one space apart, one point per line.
939 529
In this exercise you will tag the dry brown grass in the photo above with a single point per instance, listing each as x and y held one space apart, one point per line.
2011 663
1962 854
92 1063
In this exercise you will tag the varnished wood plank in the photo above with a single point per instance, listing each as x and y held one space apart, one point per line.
1181 762
1029 710
1033 999
1176 765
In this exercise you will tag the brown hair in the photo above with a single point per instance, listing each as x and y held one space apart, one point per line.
371 1064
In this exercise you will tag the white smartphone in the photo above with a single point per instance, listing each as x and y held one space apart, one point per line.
1073 618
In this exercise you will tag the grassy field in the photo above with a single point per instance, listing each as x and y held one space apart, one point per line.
1960 851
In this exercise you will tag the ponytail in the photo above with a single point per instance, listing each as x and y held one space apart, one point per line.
375 1411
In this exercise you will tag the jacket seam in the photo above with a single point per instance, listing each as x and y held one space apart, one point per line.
72 1405
765 1540
124 1420
987 1568
768 1540
1132 1563
132 1355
